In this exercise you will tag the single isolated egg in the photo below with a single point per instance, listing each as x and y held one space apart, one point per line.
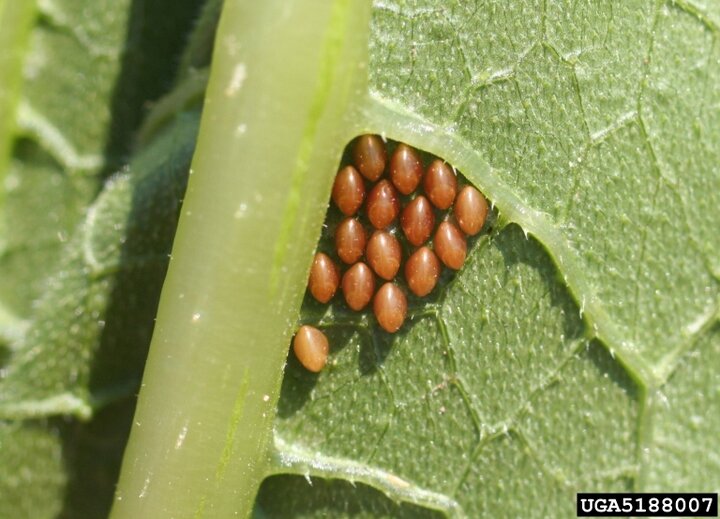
311 348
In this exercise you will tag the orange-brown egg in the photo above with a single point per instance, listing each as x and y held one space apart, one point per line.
390 307
440 184
382 204
370 156
470 210
358 285
324 278
406 169
422 270
348 190
311 348
350 240
417 220
450 245
383 253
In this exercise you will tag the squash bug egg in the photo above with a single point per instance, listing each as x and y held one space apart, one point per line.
406 169
370 156
311 348
390 307
383 253
350 240
348 190
417 220
376 196
450 245
324 278
382 205
358 285
422 270
440 184
470 210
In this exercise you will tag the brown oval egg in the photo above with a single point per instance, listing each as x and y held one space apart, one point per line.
450 245
348 190
440 184
311 348
405 169
470 210
382 204
422 270
390 307
370 156
358 285
324 278
383 253
417 220
350 240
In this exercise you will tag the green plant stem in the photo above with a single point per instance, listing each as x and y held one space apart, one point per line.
278 112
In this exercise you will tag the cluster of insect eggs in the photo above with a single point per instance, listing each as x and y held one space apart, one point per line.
362 193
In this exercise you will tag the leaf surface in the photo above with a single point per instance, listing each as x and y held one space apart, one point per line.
82 258
557 362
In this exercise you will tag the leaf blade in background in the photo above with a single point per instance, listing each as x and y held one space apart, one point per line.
79 350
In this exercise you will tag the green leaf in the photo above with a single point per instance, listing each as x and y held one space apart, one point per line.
595 130
100 303
104 60
538 371
23 473
577 349
83 256
479 393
